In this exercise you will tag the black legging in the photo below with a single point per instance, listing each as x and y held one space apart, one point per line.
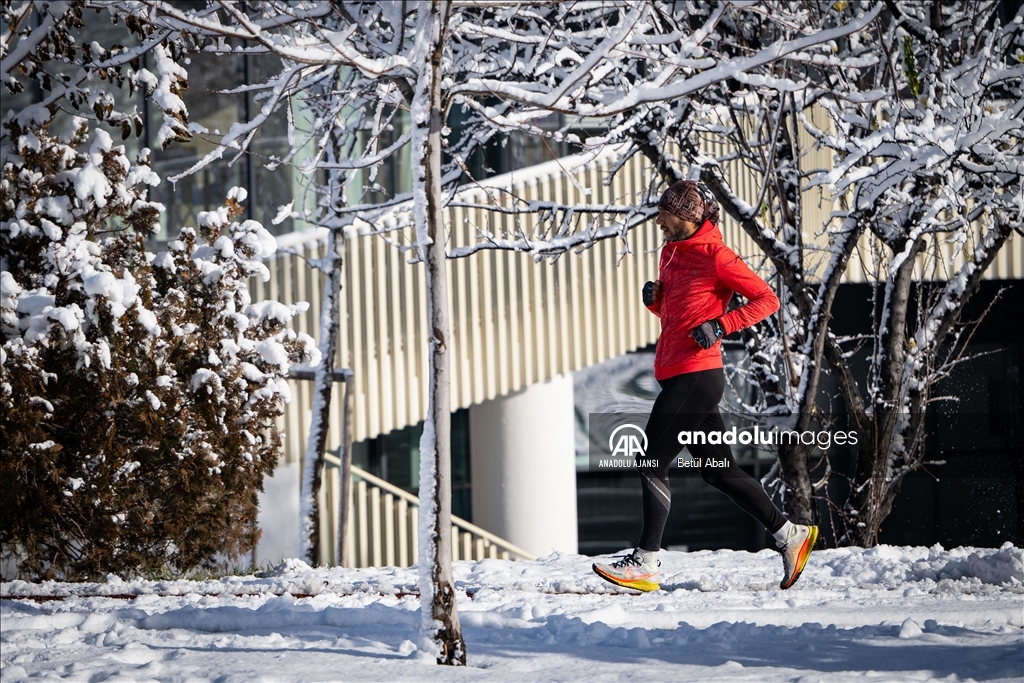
690 402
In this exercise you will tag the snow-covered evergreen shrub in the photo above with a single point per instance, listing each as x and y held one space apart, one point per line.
138 390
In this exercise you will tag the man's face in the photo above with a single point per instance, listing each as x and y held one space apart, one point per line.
674 227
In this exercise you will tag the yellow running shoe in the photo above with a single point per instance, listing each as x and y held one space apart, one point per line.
631 572
795 551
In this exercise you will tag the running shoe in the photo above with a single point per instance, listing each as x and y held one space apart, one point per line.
795 551
630 572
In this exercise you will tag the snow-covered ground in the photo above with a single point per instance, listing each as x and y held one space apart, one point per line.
887 614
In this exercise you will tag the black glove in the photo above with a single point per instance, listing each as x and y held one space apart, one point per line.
648 294
706 334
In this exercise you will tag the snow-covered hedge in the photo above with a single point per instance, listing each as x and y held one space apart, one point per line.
138 390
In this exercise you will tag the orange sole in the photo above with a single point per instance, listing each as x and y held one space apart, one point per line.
641 585
805 553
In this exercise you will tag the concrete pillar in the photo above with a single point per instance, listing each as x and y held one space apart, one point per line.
523 466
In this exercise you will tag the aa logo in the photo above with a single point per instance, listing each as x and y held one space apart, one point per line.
628 441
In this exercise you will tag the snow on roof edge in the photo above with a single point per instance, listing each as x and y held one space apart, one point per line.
561 165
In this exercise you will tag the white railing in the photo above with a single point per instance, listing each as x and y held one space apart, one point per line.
383 521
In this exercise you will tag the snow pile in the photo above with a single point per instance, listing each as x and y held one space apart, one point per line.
889 613
890 566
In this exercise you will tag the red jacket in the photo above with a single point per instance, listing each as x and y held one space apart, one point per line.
698 278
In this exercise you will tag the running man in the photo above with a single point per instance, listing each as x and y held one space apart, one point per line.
699 274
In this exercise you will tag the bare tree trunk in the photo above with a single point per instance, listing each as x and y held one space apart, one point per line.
875 488
894 446
797 501
316 443
342 556
442 632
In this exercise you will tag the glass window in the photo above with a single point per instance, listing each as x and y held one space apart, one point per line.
208 74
